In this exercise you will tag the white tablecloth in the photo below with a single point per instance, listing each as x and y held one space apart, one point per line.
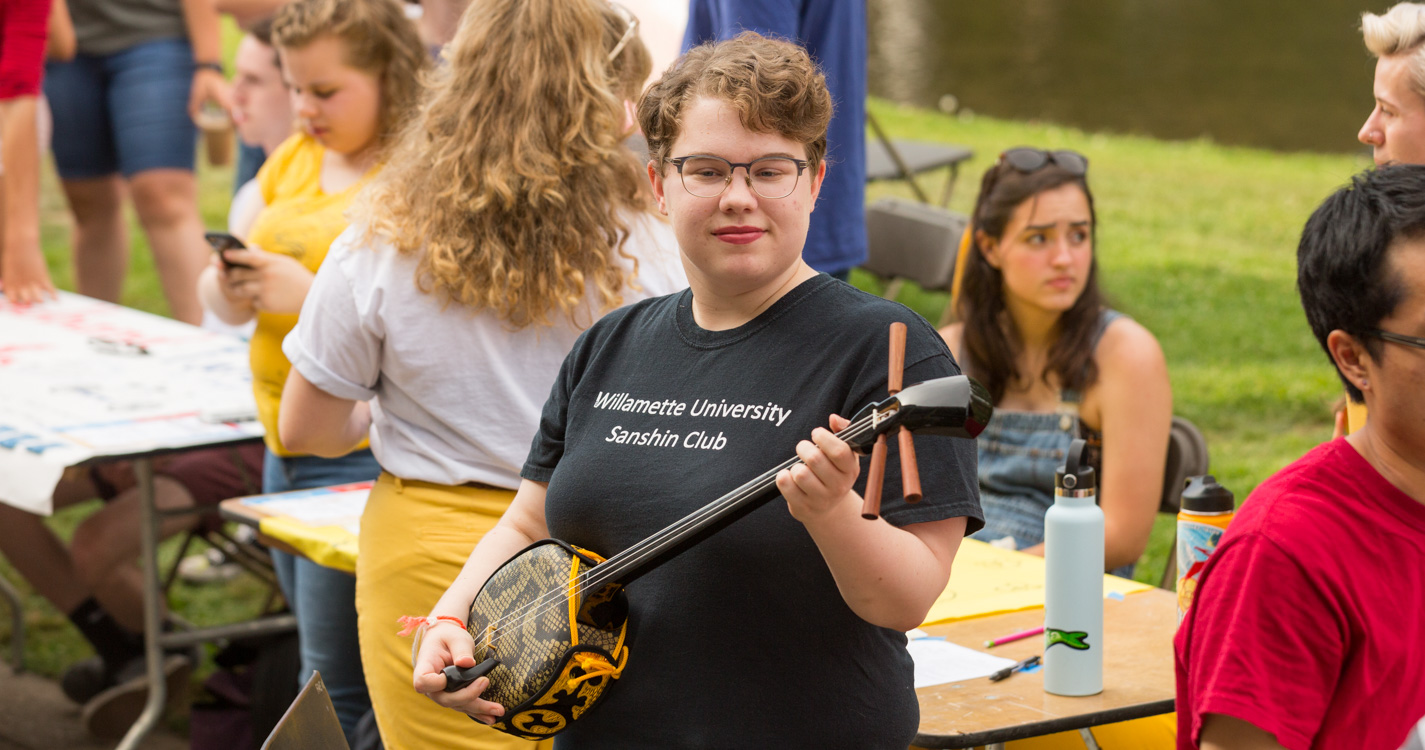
81 379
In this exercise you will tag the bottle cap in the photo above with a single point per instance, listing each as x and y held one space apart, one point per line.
1205 495
1075 474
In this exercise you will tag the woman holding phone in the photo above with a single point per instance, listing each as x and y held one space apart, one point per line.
353 68
491 238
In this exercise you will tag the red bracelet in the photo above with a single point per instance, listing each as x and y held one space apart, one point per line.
448 618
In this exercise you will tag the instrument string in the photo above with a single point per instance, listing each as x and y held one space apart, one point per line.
652 546
640 551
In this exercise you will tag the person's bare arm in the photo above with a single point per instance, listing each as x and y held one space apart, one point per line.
443 645
889 575
1223 732
313 421
23 272
62 44
249 12
205 36
1136 406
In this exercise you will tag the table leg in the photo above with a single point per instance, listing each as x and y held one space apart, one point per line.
17 624
1089 741
153 608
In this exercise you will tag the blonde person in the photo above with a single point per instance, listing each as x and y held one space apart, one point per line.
810 600
1395 128
492 237
353 68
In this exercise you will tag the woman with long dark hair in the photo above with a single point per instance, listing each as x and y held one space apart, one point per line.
1059 363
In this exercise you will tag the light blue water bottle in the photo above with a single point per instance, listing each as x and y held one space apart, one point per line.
1073 585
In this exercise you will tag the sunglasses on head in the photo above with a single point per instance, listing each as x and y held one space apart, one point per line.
1028 160
630 26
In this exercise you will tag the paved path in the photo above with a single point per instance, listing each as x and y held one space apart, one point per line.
35 715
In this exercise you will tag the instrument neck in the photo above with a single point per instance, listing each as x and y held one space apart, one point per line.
627 566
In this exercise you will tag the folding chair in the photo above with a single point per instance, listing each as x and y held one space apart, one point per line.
1187 457
915 241
893 159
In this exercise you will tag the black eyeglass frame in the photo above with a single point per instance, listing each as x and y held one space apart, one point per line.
1411 341
1028 160
678 162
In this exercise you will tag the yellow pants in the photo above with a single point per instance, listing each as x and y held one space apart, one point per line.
415 537
1150 733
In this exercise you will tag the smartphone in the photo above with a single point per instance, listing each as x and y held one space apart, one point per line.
221 241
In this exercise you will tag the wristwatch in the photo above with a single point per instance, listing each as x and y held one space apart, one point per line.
214 66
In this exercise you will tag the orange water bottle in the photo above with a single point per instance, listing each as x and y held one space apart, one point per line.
1206 509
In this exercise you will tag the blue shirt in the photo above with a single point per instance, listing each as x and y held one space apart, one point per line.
834 33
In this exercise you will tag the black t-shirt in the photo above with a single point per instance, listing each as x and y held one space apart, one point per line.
743 641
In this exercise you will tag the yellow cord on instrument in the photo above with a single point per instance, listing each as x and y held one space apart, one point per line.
594 665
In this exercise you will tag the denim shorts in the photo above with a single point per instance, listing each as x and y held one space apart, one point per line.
123 113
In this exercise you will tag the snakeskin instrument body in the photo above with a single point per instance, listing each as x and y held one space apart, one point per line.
522 617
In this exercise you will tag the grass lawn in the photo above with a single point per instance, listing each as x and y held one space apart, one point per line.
1196 241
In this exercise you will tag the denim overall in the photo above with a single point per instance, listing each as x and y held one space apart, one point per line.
1019 453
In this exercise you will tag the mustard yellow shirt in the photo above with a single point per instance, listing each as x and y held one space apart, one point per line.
300 220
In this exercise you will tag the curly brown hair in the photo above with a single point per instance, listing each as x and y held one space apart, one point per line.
379 40
513 183
772 83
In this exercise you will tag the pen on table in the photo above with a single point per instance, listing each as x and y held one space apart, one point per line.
1007 671
1014 637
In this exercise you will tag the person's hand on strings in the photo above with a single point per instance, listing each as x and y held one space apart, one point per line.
823 480
442 645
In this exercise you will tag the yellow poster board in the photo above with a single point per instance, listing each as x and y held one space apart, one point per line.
988 580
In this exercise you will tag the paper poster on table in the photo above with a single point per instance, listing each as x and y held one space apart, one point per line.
323 523
987 580
82 379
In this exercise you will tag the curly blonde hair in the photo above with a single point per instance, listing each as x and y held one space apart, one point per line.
772 83
379 40
513 182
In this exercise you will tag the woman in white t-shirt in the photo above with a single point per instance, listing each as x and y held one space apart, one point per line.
507 220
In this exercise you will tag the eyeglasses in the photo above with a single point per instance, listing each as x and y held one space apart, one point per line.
1399 338
1030 160
628 18
770 177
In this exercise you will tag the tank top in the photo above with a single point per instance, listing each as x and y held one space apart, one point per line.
1019 452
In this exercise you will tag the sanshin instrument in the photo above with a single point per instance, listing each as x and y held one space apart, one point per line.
549 624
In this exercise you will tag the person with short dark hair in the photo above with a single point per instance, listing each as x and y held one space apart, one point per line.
786 628
1304 629
834 34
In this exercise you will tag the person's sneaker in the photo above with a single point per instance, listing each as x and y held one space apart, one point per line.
84 679
210 566
109 714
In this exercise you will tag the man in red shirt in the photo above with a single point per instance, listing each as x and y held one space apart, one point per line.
1305 629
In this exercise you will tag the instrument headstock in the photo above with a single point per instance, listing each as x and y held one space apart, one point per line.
955 406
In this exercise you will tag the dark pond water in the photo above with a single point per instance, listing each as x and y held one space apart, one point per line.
1282 74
